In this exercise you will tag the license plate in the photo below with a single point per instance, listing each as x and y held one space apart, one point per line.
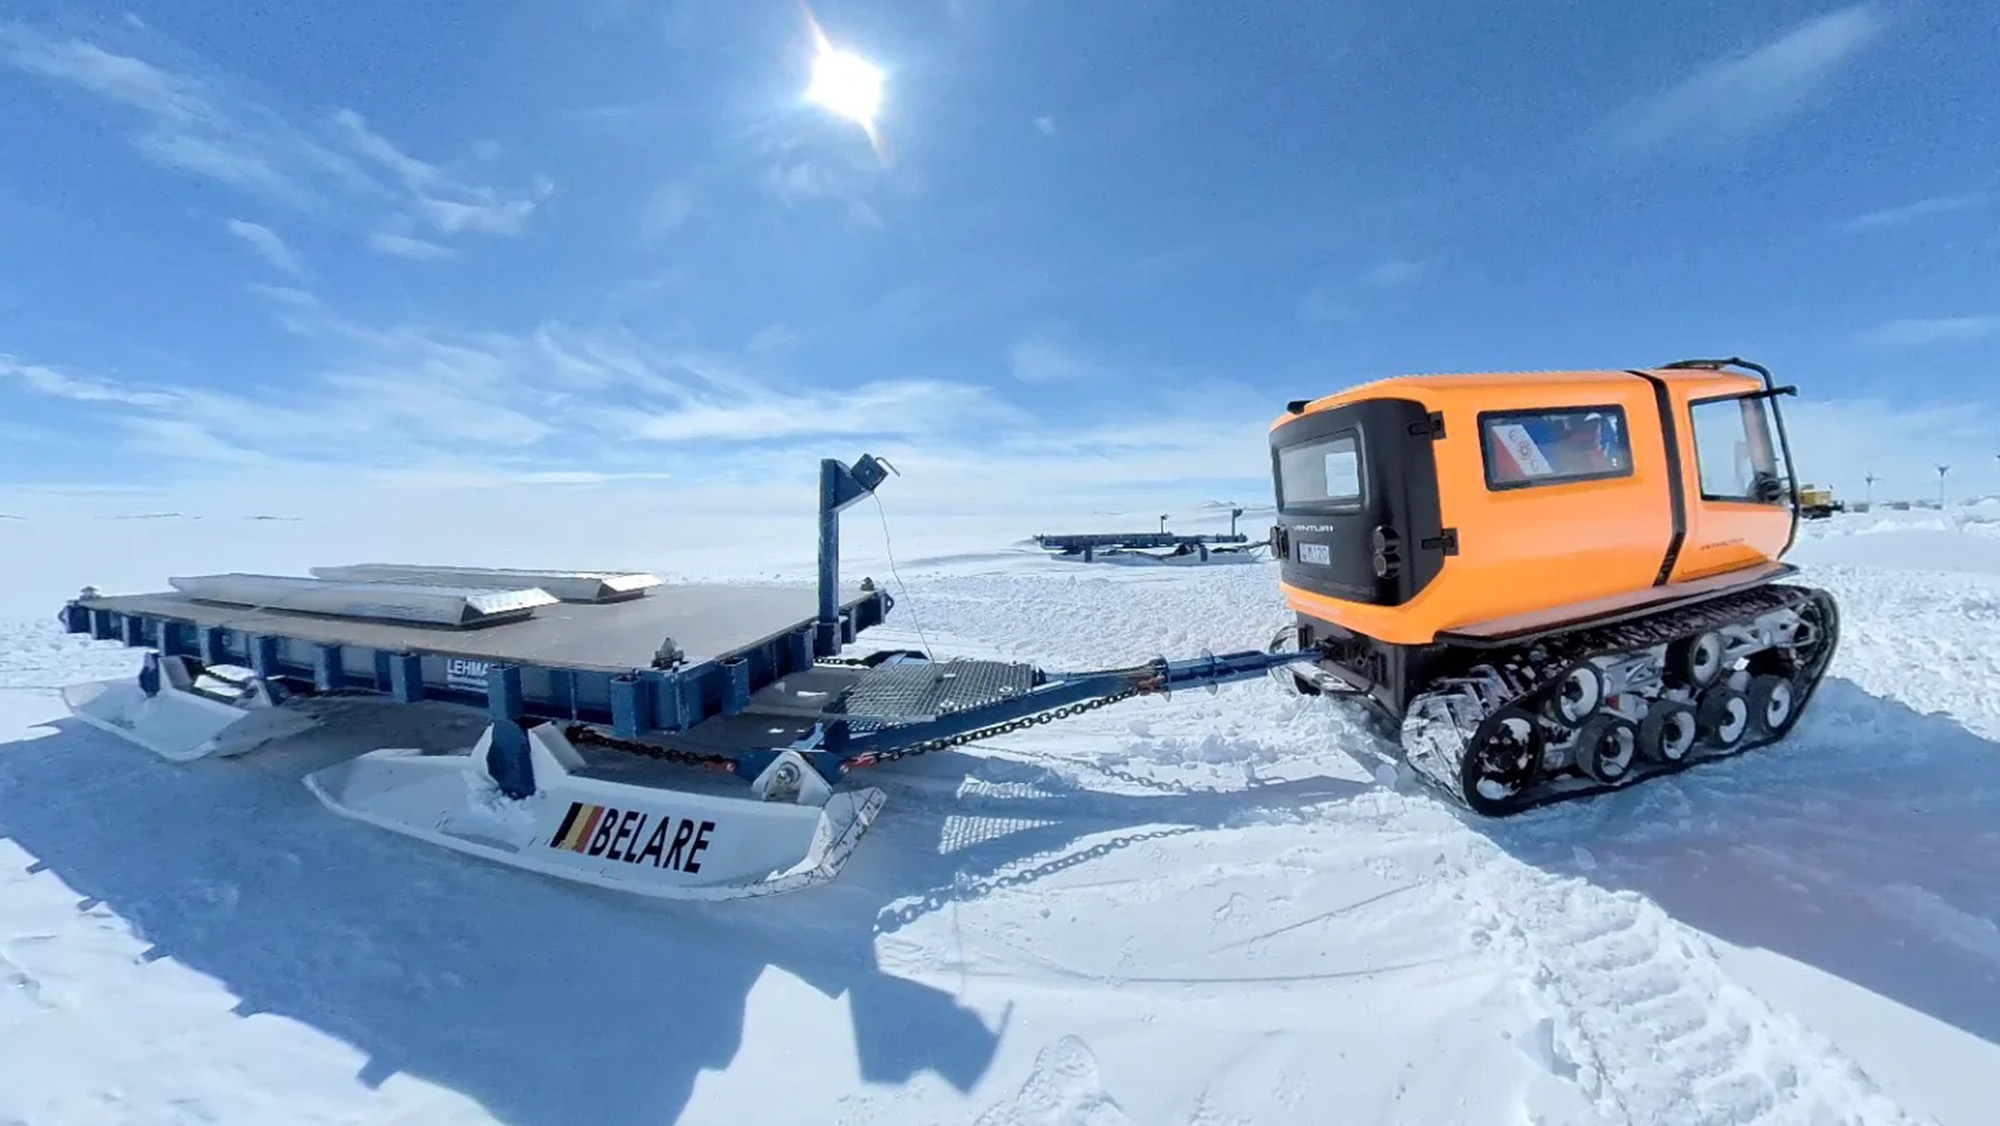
1319 553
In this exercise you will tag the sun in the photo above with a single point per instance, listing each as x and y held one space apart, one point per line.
845 84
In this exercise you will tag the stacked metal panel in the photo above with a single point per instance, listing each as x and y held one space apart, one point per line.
567 586
382 601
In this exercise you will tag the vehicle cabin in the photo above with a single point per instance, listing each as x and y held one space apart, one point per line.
1418 505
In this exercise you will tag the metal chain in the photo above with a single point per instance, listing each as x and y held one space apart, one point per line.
580 734
877 758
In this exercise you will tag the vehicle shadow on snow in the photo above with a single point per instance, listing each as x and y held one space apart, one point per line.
546 1002
1863 845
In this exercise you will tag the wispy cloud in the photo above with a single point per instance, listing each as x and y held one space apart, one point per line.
1047 125
1932 330
899 408
567 405
1737 97
403 246
665 210
266 242
79 389
1903 216
1395 273
449 203
178 439
397 397
411 395
1334 300
772 336
796 181
336 169
1843 440
289 297
798 170
860 214
1324 304
184 126
1041 359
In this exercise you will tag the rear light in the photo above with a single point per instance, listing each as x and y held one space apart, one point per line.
1387 559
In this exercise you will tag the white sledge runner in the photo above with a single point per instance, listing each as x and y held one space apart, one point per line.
680 843
182 713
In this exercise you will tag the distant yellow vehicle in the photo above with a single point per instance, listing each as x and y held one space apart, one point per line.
1816 503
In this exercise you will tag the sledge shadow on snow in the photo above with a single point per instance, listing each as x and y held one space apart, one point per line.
1863 845
546 1002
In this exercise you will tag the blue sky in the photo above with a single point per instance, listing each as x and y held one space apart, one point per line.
486 243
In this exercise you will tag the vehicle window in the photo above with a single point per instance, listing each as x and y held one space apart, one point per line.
1733 451
1324 472
1552 447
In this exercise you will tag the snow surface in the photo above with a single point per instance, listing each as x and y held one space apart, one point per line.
1199 910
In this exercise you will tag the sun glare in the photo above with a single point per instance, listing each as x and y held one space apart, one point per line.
845 84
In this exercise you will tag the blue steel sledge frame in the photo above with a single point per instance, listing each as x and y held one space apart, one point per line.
649 702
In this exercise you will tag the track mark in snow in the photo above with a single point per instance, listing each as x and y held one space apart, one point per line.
1237 903
1968 932
1644 1020
1063 1089
18 980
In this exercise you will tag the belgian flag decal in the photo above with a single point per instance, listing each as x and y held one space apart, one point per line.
577 826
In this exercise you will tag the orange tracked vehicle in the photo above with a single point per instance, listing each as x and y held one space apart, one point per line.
1551 583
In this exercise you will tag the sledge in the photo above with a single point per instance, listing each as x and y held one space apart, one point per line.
676 740
1161 544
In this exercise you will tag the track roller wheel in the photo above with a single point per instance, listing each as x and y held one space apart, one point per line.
1668 732
1821 618
1578 694
1772 703
1605 748
1502 761
1695 661
1722 717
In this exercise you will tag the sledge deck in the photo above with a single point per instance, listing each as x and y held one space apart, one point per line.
662 662
706 621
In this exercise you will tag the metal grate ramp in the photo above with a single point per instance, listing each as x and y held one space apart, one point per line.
920 690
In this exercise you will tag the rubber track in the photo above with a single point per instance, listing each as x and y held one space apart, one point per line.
1542 663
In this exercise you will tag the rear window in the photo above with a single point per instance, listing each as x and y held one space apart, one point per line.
1322 473
1552 447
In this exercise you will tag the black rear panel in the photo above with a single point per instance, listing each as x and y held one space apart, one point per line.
1343 474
